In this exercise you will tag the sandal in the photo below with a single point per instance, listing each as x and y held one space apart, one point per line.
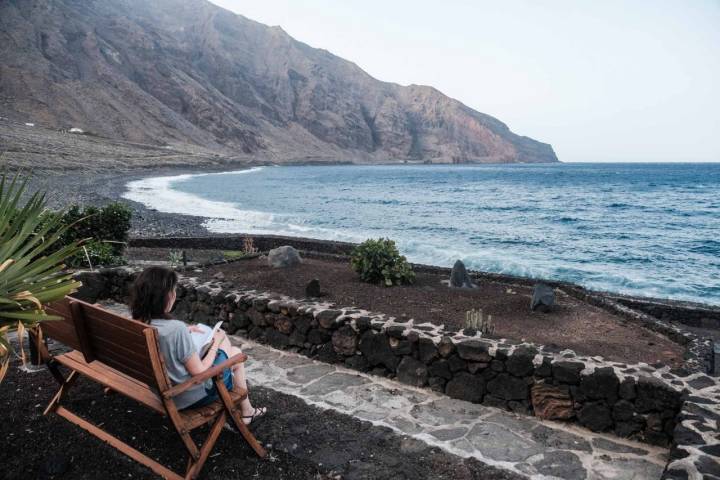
257 413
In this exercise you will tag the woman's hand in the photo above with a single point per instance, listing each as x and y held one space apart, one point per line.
194 328
219 337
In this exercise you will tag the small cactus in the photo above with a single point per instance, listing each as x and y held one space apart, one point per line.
474 319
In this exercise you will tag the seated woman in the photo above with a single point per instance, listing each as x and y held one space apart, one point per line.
152 297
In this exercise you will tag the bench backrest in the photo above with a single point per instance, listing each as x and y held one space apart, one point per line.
116 341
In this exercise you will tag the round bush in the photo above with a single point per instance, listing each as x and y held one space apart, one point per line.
379 261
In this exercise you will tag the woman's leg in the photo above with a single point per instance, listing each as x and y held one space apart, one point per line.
239 380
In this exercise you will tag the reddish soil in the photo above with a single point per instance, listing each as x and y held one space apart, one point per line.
572 324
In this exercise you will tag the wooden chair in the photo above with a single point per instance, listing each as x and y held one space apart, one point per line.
123 355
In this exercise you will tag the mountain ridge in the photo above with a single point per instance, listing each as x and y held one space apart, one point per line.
172 71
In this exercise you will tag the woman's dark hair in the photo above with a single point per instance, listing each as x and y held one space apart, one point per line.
149 293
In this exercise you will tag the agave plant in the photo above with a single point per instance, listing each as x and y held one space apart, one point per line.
32 273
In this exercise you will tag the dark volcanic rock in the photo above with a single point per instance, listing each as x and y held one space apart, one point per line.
508 387
466 387
474 350
312 289
459 277
345 341
595 416
376 349
412 372
543 298
567 372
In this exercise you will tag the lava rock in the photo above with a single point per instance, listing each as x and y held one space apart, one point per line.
654 395
552 402
326 318
595 416
602 384
277 339
466 387
412 372
627 389
508 387
543 298
427 351
520 363
284 257
345 341
567 372
312 289
474 350
376 349
441 368
623 411
446 347
459 277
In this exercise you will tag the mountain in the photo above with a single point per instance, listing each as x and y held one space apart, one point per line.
170 72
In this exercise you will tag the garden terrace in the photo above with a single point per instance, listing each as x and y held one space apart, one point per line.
650 404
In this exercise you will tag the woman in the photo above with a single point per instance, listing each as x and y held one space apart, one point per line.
152 297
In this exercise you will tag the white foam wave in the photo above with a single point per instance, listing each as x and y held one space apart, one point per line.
158 193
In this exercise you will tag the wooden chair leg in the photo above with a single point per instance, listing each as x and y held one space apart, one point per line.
195 467
234 413
62 391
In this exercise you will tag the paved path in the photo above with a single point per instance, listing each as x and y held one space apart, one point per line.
526 445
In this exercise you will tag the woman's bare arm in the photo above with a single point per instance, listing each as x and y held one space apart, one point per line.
195 366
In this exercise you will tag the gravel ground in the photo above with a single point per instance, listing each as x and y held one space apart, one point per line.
304 442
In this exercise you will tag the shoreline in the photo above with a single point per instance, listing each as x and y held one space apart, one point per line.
96 188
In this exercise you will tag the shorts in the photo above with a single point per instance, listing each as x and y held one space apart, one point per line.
211 393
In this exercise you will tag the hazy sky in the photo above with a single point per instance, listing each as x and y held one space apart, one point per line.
634 80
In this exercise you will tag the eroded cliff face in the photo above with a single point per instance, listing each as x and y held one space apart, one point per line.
186 71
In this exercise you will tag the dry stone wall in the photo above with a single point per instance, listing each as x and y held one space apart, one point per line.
637 401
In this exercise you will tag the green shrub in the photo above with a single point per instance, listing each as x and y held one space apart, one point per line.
380 261
99 253
109 224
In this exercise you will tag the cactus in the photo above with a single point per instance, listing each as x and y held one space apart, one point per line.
474 319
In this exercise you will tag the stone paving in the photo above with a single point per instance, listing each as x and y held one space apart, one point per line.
523 444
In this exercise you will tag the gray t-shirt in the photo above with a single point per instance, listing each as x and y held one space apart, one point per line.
177 347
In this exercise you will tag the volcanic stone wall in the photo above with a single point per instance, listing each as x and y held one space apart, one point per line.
637 401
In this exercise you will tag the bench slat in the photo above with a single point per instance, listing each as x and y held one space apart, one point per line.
113 379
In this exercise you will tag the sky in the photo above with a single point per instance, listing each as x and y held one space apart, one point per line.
602 81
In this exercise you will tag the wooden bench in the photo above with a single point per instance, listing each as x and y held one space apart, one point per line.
123 355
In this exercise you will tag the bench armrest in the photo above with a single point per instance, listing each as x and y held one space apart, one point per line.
201 377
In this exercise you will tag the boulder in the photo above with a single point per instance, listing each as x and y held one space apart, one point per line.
94 286
520 363
345 341
466 387
376 349
543 298
312 289
474 350
412 372
446 347
595 416
508 387
326 318
602 384
283 257
459 277
567 372
551 402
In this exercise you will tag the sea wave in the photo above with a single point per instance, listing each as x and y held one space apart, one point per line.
158 193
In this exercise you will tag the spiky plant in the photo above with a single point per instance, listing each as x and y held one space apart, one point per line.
32 273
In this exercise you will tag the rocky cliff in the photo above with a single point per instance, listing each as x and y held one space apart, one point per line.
188 72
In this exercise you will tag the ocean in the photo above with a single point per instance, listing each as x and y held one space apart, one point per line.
640 229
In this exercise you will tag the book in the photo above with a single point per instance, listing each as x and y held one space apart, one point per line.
203 339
